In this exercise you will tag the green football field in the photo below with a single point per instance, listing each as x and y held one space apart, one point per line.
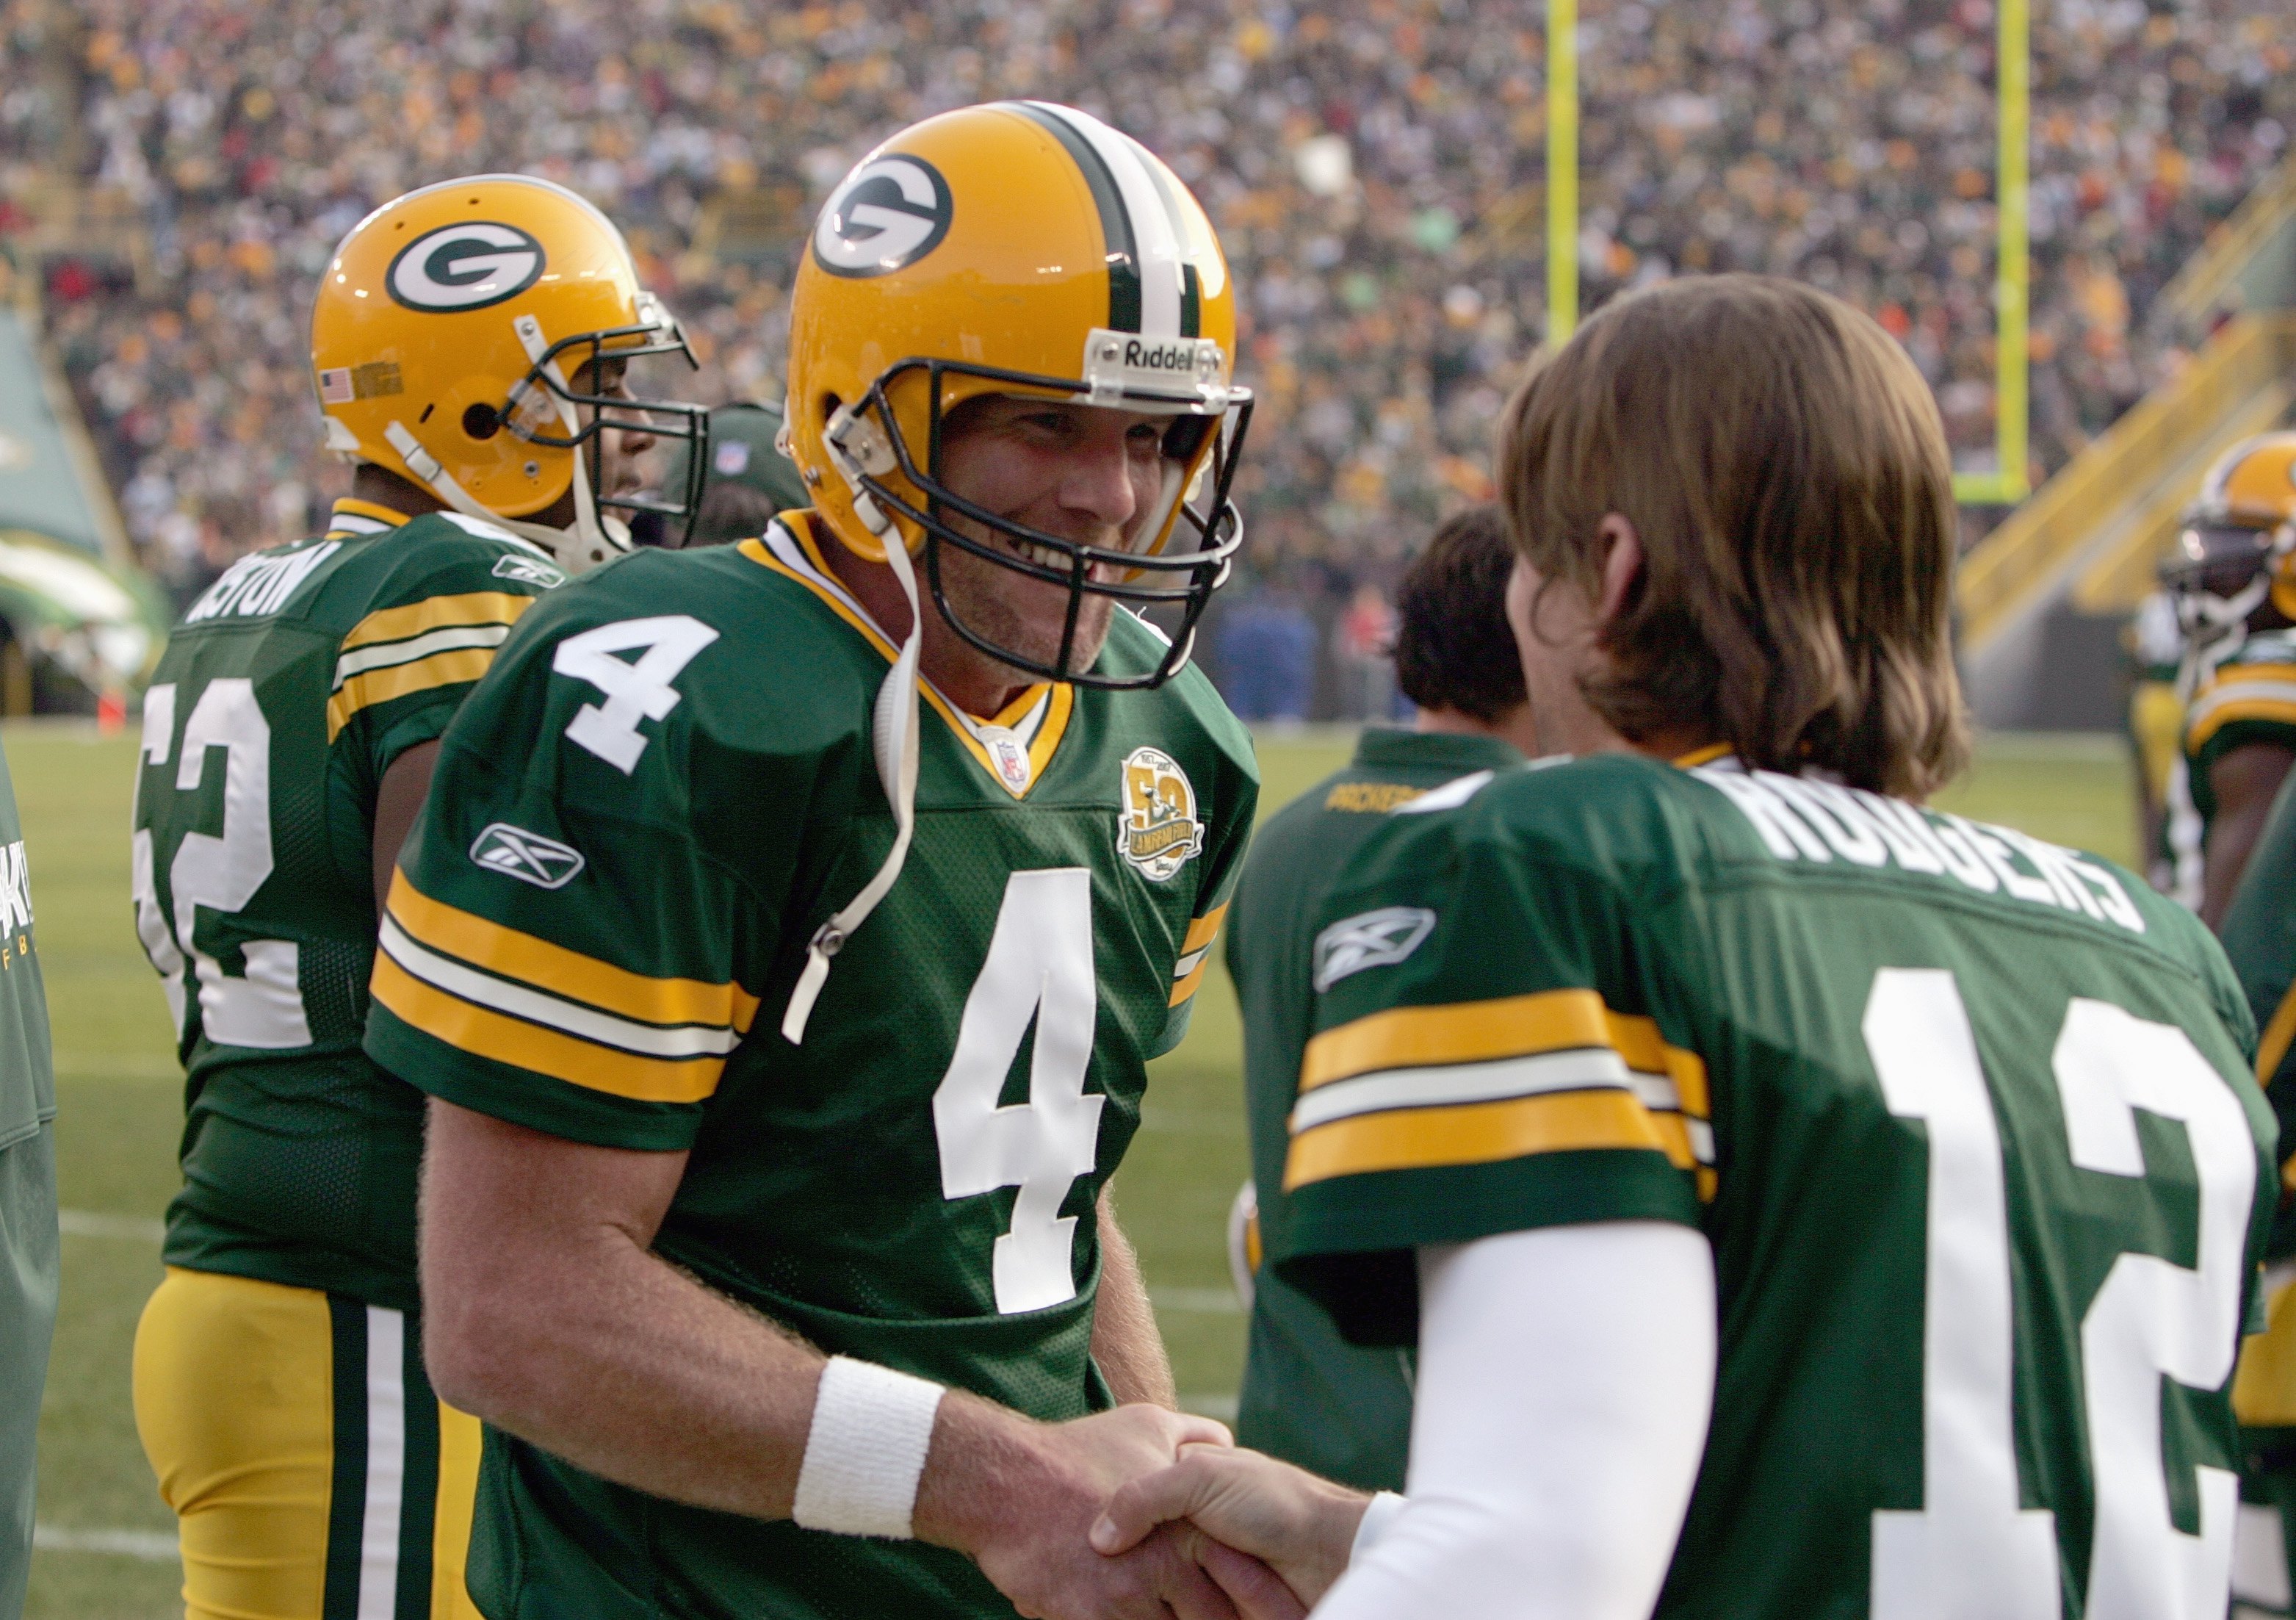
105 1539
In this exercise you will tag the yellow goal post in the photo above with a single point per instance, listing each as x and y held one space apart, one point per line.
2011 270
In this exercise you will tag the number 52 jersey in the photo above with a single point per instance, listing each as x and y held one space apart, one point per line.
290 688
1967 1117
637 824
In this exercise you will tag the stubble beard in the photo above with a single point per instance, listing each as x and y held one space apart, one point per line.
1017 611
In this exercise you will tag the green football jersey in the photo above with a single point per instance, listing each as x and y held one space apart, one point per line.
29 1245
286 692
2259 937
1967 1117
2249 697
1309 1397
663 791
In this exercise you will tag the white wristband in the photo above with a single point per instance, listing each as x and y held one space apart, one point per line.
1384 1506
865 1450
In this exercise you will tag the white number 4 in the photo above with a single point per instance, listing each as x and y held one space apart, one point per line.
634 691
1040 967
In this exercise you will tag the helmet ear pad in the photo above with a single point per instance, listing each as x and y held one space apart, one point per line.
505 473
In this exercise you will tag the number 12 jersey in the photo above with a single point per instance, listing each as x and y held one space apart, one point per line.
1967 1117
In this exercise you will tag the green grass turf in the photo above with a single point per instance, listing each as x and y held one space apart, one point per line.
116 1085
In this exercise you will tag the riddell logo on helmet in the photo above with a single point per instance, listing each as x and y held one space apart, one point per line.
890 212
1160 357
1118 363
466 266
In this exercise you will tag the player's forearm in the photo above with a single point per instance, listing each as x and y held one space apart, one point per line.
548 1314
601 1353
1125 1339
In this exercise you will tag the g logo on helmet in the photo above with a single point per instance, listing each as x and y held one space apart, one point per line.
465 267
890 212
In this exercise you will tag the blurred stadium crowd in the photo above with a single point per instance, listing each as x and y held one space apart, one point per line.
1375 170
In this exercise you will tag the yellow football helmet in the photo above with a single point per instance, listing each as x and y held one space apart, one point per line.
444 335
2237 550
1018 248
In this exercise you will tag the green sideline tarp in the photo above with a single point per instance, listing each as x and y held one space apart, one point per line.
102 629
40 488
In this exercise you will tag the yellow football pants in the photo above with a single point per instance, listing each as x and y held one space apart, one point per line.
313 1473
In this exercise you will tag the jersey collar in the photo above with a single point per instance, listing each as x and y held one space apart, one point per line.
1013 746
362 517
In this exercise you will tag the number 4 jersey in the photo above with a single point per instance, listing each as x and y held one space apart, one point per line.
290 686
1967 1117
663 791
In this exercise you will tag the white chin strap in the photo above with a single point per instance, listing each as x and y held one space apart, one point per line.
893 736
592 538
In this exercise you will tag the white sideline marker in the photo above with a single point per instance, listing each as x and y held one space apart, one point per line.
152 1546
88 1224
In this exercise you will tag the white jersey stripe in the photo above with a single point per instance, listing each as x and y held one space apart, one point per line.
363 659
1589 1068
537 1006
1154 232
386 1464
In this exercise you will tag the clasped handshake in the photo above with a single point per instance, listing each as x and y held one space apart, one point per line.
1152 1515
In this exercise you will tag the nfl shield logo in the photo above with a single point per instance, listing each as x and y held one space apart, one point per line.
1010 755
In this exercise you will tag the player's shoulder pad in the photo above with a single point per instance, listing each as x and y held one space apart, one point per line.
1621 822
445 553
753 660
1134 647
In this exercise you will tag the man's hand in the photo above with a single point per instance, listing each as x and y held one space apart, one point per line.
1301 1526
1025 1509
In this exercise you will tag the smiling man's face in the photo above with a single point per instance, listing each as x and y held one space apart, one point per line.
1086 473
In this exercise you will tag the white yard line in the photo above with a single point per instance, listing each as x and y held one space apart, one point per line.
1200 1301
152 1546
88 1224
1220 1407
122 1065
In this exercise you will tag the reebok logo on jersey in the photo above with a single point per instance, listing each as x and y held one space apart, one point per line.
528 856
1375 939
530 571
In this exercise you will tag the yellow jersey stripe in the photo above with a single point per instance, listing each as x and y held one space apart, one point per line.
2241 674
1702 756
2282 710
483 1033
403 680
1041 748
439 612
1187 987
2272 1045
566 974
351 507
522 1000
1203 930
1511 1026
1476 1133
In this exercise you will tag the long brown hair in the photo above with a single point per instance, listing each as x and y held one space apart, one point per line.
1785 469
